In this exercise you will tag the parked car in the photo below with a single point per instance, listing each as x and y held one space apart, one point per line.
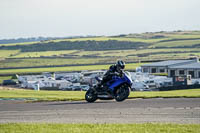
67 89
9 82
85 87
151 83
139 86
76 88
145 90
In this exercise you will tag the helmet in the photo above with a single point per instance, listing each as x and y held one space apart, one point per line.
120 64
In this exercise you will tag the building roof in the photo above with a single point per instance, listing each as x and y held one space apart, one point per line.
195 65
166 63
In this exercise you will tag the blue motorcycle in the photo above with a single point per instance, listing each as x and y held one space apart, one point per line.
118 88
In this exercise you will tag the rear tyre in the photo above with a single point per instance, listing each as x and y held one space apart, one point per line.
122 93
90 96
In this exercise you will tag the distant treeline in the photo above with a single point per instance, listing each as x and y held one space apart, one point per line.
78 45
21 40
37 39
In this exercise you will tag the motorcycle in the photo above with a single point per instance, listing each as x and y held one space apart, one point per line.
117 88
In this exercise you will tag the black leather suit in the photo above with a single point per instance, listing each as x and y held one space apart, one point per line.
113 70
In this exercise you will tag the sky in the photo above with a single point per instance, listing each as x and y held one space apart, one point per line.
62 18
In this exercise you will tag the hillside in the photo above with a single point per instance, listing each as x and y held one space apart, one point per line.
102 50
77 45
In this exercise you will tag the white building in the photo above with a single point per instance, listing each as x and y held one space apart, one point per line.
174 67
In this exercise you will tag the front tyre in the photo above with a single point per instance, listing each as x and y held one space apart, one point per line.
122 93
90 96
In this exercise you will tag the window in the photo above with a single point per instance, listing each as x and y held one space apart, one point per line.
151 81
181 72
162 70
153 70
191 73
172 73
145 70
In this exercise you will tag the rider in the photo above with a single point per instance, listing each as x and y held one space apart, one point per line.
114 70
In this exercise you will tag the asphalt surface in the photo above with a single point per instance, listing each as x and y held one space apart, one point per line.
172 110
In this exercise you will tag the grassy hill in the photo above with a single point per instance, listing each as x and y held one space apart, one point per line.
102 50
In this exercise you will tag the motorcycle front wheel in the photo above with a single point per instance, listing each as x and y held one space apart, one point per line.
90 96
122 93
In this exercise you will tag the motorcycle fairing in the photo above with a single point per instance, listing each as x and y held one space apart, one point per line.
115 82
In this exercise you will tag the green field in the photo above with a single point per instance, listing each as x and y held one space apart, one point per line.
94 57
14 44
131 39
145 37
68 68
47 62
183 35
140 47
46 53
82 53
98 128
176 43
80 95
8 53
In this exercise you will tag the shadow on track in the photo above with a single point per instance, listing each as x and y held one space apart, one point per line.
78 103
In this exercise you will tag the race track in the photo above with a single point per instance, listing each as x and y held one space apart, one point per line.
173 110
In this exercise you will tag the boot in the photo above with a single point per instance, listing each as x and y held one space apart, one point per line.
98 87
105 87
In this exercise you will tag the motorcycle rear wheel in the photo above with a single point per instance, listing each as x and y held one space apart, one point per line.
122 93
90 96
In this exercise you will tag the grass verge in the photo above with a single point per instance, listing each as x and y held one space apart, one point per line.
43 95
191 93
98 128
80 95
